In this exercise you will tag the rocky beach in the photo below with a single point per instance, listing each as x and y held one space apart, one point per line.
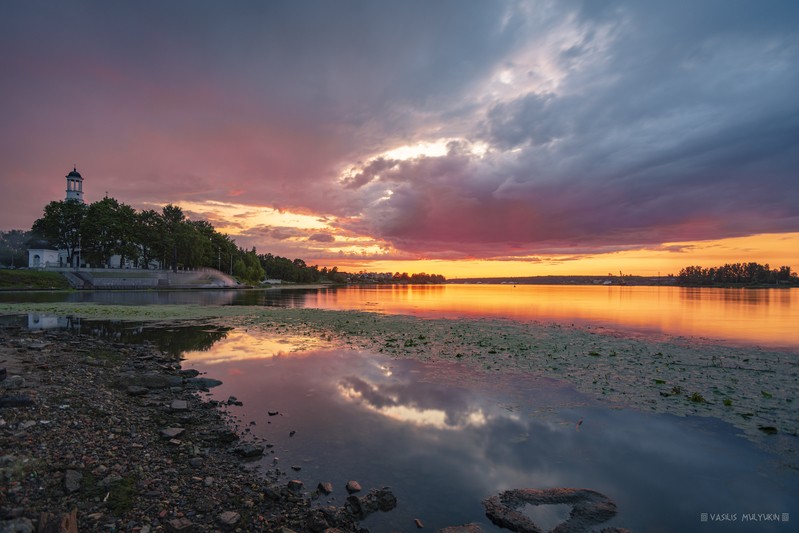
102 436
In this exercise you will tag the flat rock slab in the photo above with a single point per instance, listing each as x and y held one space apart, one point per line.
228 519
249 450
15 401
179 405
180 525
171 433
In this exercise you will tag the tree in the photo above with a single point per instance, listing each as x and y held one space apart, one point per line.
147 236
61 225
107 231
12 247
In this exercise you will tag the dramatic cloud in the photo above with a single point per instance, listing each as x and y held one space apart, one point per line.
437 130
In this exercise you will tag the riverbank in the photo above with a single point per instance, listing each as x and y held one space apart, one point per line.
101 436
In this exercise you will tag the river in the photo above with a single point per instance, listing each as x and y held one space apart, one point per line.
747 316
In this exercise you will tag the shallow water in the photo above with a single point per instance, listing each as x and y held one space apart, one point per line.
445 436
748 316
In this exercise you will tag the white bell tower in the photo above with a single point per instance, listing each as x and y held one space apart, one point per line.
75 186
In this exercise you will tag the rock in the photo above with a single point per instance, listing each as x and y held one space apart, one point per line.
179 405
376 500
353 486
15 401
59 523
189 372
14 382
295 485
228 519
171 433
292 433
325 488
3 373
180 525
466 528
224 434
296 468
135 390
195 462
249 450
273 413
418 523
202 383
151 380
589 508
18 525
72 480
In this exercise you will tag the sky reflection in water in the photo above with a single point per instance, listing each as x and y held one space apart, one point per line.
445 437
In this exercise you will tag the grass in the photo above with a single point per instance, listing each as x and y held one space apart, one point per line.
31 279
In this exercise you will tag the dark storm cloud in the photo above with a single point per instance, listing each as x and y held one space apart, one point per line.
604 125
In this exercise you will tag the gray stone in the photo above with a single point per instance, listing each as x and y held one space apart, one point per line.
171 433
195 462
325 487
72 480
353 486
228 519
14 382
179 405
295 485
15 401
589 508
151 380
202 383
189 373
18 525
466 528
180 525
249 450
135 390
376 500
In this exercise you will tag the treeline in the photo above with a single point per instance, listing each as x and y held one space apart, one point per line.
737 274
92 234
297 271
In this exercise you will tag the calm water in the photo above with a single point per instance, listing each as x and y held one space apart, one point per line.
445 437
753 316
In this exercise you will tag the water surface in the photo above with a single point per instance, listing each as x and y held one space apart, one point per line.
749 316
445 436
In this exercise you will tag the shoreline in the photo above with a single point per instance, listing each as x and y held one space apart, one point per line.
109 436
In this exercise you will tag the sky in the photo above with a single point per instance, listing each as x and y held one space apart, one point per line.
461 137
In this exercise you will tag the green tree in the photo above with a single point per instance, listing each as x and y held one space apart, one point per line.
13 248
108 230
61 225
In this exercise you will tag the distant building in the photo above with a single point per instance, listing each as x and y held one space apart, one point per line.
42 254
75 186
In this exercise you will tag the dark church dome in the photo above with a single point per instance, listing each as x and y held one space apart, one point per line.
74 173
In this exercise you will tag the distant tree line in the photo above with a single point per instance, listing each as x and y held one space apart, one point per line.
737 274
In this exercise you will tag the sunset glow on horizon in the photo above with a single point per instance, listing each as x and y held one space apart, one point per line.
469 139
